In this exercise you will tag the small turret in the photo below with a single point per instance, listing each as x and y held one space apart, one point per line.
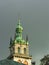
26 38
10 41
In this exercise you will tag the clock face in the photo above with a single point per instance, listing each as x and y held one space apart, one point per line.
19 61
25 62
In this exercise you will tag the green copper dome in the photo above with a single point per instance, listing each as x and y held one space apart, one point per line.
18 35
19 28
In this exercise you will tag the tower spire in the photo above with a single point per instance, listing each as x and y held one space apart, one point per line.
19 30
19 21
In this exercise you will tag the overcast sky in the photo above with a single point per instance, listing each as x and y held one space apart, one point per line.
34 16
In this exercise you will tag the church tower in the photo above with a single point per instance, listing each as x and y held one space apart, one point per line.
19 48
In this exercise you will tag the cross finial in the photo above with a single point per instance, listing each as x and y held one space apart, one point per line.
19 21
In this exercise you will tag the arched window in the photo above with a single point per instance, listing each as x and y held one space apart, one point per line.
18 49
24 50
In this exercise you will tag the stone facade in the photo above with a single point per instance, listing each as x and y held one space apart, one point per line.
23 60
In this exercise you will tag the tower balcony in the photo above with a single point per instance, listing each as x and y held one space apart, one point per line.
21 56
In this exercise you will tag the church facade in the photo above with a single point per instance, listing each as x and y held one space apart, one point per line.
19 48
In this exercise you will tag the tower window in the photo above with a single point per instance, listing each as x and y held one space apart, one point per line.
18 49
24 50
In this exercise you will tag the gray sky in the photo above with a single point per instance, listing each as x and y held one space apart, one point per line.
34 16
